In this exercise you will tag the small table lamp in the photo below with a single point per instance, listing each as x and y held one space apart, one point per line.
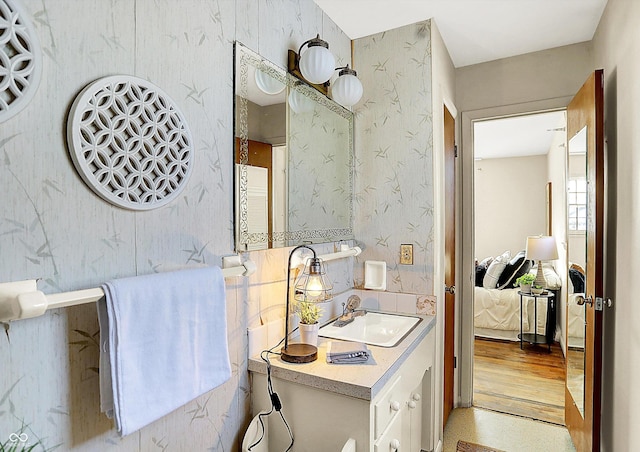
312 287
541 248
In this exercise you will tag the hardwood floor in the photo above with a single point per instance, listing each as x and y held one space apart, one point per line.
527 382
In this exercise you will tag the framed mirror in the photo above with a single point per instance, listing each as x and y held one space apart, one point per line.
293 159
577 248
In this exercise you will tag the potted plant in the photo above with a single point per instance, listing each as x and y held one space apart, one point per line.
537 290
309 314
525 282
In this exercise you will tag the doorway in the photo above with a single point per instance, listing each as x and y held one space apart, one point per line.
518 160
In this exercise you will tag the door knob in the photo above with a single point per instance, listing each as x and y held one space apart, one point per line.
450 289
580 300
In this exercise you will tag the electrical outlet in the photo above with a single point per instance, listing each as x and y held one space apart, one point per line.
406 254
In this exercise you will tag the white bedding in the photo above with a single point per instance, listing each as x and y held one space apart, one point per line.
575 322
497 313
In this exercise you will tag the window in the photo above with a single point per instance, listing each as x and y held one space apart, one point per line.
577 201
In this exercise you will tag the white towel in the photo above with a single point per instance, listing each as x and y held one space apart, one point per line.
163 343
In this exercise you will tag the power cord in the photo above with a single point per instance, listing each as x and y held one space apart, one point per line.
276 404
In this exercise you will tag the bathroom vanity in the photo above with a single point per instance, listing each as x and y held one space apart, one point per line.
384 407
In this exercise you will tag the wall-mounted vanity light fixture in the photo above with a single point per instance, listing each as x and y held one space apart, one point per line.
299 102
316 65
347 89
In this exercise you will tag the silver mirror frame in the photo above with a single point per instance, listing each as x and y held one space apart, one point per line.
243 237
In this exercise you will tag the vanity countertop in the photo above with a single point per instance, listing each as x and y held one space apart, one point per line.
362 381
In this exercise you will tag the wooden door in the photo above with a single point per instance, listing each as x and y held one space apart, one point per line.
260 154
583 416
450 261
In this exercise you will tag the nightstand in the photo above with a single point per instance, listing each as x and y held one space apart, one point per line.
534 338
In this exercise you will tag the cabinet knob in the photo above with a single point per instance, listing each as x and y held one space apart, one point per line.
416 397
395 406
412 404
394 444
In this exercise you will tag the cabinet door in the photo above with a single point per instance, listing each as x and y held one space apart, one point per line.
414 409
392 440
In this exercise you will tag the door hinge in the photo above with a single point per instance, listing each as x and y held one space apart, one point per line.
455 362
455 150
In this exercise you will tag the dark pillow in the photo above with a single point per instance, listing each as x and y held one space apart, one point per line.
481 270
516 267
577 279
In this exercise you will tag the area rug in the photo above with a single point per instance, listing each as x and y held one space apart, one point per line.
464 446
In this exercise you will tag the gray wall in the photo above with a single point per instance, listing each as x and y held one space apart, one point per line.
510 203
394 155
53 227
616 48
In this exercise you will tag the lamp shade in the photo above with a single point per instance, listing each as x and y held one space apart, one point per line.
313 285
317 63
541 248
347 89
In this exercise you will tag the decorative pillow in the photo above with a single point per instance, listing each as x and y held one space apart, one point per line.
553 280
516 267
481 270
495 269
576 278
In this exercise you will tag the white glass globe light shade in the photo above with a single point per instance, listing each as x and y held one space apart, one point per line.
268 84
300 103
317 64
347 90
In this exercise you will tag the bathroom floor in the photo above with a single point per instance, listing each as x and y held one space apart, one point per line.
503 431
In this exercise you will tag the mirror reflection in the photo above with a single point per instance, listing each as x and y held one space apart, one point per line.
577 248
294 159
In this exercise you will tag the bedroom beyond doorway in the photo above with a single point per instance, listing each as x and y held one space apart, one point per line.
518 163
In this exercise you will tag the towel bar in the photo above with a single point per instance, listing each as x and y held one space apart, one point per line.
22 299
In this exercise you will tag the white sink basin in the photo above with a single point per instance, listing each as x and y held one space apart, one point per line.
375 328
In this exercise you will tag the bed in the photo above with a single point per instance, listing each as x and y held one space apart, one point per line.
497 302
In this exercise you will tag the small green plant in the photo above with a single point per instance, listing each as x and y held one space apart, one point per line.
309 313
525 279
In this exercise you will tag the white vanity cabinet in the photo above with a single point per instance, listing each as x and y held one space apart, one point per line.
384 407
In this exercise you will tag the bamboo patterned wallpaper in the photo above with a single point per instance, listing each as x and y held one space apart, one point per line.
53 227
394 155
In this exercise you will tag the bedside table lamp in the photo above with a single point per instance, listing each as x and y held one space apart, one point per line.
541 248
312 287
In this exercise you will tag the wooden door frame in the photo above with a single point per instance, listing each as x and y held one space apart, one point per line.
466 219
450 238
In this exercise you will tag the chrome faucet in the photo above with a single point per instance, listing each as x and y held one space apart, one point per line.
349 312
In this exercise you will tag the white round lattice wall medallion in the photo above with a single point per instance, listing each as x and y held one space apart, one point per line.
20 59
130 143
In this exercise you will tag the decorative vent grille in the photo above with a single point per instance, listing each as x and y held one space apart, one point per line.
130 143
20 60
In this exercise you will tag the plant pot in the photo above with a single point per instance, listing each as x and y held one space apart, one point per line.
525 288
309 333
